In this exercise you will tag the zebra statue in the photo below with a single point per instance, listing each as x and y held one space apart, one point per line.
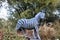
30 24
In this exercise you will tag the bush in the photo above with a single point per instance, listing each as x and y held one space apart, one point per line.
47 33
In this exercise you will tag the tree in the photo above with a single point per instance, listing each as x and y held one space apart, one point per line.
33 5
29 8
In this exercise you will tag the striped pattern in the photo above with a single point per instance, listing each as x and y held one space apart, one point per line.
30 23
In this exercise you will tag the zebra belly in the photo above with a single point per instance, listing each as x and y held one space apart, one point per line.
28 26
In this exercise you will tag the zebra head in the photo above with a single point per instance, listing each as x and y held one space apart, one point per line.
40 15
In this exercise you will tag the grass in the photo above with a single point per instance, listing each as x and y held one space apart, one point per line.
46 33
9 34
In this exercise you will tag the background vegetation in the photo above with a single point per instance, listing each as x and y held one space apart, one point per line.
28 9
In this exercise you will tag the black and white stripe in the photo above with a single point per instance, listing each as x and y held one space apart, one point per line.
32 23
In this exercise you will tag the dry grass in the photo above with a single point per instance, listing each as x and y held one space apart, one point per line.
47 33
1 34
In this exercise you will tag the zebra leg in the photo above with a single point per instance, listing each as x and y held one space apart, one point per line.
34 34
37 32
24 33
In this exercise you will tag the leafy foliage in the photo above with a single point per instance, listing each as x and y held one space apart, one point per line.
28 9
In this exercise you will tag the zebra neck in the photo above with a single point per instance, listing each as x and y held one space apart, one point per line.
38 19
